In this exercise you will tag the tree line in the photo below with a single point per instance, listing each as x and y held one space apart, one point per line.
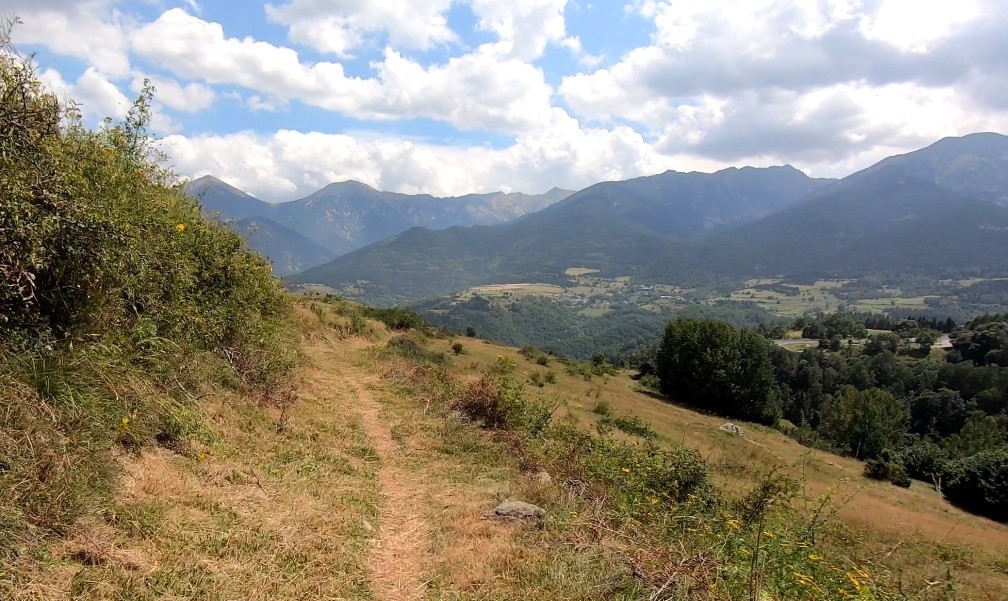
909 415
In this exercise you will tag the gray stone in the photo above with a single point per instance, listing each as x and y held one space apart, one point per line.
731 429
519 510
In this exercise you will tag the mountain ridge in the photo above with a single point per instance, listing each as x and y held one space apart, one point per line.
825 226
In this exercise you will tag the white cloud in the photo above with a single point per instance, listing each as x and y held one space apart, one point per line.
90 30
806 81
473 91
190 98
341 26
828 85
289 164
915 25
95 95
573 43
523 27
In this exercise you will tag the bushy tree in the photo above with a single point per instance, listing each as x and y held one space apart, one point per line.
713 366
864 422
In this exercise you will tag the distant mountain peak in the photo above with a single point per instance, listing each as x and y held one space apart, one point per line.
350 184
203 184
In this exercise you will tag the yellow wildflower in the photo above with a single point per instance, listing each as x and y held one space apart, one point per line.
124 424
734 524
180 228
854 581
626 470
768 534
814 557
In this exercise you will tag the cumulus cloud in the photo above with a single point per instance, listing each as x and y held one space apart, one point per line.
341 26
523 27
189 98
827 85
479 90
808 80
90 30
95 95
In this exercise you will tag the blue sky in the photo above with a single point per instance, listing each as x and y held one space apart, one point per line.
456 96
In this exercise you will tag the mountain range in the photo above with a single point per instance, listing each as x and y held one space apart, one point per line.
942 210
345 216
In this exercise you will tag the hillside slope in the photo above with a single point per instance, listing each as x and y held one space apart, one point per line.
287 250
371 487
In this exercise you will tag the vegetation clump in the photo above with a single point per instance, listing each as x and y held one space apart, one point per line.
498 401
118 304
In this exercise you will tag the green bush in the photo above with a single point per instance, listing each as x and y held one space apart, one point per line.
409 348
396 318
632 425
879 469
603 408
979 483
636 474
497 401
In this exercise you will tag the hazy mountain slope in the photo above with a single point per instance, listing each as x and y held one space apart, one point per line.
348 215
893 216
221 199
688 205
618 227
288 250
975 166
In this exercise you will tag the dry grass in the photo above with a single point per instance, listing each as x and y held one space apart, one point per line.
913 532
280 504
363 490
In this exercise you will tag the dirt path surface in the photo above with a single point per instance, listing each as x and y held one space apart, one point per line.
395 561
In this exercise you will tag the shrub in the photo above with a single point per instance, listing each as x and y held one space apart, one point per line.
879 469
632 425
980 483
498 401
116 297
457 348
603 407
536 378
396 318
550 377
636 474
410 349
529 352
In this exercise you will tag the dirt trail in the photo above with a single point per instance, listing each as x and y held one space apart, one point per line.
396 569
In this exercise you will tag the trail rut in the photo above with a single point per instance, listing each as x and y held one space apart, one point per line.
396 567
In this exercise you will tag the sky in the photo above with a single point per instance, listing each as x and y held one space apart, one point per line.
450 97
